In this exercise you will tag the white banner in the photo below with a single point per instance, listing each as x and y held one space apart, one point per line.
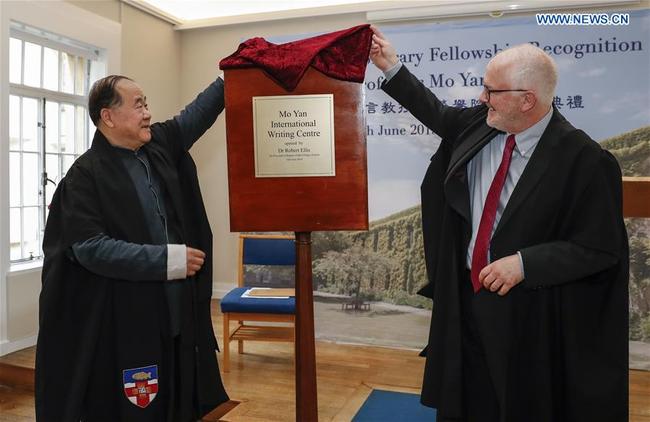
603 88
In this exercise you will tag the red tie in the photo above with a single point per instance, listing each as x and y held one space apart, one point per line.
482 244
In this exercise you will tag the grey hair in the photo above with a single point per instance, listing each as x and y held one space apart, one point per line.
530 68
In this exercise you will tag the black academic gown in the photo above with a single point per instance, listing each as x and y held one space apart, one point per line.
561 334
92 328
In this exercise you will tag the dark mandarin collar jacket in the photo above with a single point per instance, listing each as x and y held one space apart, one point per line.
92 328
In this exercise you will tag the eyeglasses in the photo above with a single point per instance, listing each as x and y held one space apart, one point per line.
489 91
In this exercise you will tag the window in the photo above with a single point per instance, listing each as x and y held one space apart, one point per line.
49 126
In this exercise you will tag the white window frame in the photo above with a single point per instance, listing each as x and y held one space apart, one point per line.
78 98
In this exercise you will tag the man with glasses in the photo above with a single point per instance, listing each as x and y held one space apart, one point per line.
125 330
526 251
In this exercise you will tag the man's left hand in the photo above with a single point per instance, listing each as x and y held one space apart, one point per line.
502 275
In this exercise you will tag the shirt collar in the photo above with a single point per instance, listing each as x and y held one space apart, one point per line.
128 151
528 139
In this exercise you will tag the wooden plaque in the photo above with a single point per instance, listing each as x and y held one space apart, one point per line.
298 204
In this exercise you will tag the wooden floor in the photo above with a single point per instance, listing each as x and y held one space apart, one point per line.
262 381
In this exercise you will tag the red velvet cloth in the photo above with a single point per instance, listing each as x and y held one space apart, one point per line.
342 55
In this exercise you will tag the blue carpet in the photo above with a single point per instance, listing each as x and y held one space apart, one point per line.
393 406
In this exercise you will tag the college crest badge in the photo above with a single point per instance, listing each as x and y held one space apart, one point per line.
141 385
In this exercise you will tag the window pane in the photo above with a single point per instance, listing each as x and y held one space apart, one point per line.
67 128
52 126
14 233
50 69
97 71
30 124
80 133
31 179
67 71
80 76
32 68
67 162
14 123
52 166
15 60
31 230
90 131
14 179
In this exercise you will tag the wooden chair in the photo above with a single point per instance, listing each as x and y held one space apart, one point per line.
267 250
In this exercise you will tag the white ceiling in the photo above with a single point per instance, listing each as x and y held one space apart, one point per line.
201 9
187 14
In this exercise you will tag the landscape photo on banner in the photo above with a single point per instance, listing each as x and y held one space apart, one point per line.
367 282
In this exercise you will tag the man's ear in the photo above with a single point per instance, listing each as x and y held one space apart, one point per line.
105 116
530 100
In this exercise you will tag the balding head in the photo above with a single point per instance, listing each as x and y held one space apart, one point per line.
529 67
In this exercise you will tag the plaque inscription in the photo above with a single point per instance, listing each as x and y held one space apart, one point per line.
294 135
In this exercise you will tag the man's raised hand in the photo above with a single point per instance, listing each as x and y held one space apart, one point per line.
382 52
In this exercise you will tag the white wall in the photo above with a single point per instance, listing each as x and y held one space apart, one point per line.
151 56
